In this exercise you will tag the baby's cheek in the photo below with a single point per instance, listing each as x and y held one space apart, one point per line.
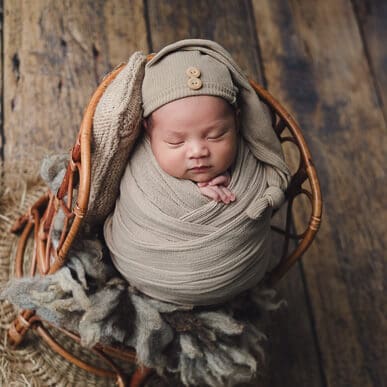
228 155
171 163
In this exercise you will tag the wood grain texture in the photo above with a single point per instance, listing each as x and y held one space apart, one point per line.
292 357
372 20
314 62
291 353
227 22
55 54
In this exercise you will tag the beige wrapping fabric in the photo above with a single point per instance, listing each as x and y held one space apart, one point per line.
174 244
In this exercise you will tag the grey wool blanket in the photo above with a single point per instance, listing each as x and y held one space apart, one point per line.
215 346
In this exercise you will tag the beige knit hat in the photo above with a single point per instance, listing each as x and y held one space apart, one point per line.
182 74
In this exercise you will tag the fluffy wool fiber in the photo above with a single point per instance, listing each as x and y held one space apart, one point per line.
203 346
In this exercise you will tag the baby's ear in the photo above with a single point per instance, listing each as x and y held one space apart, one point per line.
146 127
145 124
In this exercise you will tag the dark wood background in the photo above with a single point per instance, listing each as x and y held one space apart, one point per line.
326 61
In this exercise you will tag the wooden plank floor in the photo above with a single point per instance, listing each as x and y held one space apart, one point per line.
326 61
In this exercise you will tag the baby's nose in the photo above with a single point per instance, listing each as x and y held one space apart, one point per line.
198 149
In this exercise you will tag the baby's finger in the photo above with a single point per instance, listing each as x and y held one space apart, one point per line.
222 195
203 184
221 180
229 194
210 193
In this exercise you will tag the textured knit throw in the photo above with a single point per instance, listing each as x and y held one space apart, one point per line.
174 244
116 126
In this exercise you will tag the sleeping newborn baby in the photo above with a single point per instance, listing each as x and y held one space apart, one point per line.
195 138
191 225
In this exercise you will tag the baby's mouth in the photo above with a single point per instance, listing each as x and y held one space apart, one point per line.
201 168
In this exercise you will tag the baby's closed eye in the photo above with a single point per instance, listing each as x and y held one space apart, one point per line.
216 136
175 143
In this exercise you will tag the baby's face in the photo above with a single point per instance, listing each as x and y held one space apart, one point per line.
194 138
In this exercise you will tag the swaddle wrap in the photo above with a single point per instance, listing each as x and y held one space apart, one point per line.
174 244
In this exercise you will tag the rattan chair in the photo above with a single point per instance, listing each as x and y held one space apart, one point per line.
37 223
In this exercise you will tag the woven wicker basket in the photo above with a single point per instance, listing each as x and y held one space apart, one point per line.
46 259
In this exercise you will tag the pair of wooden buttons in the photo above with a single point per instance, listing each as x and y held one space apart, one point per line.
194 82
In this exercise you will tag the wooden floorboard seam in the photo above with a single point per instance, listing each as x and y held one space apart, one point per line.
257 46
368 58
312 321
147 26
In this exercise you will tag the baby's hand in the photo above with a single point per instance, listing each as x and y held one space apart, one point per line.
216 189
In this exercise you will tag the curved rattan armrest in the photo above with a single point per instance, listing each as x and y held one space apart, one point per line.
306 171
81 155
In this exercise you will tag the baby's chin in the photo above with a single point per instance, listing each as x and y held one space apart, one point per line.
195 176
201 177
